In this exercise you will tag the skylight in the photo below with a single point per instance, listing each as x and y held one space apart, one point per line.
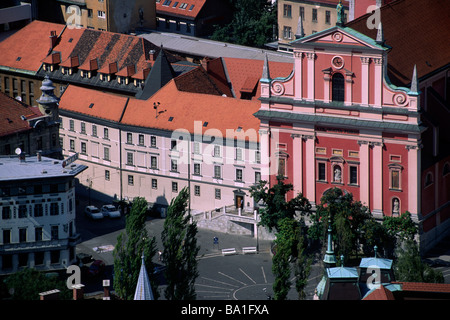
192 7
170 119
175 4
205 123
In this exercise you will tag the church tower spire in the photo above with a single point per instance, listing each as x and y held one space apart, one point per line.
143 288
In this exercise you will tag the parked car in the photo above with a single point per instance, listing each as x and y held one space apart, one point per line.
93 212
96 268
108 210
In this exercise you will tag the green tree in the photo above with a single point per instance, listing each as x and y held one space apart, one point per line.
26 284
347 217
302 264
180 250
275 205
128 252
252 23
409 266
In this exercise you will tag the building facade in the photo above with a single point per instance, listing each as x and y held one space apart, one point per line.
337 121
38 213
110 15
154 148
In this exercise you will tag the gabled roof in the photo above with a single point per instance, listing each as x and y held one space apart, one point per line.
242 74
380 293
348 38
184 8
14 115
161 73
25 49
418 33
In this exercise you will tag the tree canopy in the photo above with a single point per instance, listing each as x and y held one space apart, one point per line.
252 23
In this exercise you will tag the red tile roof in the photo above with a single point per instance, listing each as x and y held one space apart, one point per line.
182 7
105 105
11 112
31 44
180 110
243 73
424 287
418 32
380 293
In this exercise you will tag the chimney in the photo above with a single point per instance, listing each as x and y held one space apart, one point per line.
204 63
152 55
39 155
78 293
53 38
49 295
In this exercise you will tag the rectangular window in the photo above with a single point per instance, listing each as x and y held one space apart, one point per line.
257 176
217 194
154 184
107 175
217 172
287 10
282 167
129 138
173 144
54 208
38 210
238 174
105 133
287 32
106 153
71 125
38 234
23 212
94 130
174 165
101 14
55 232
314 15
216 151
196 147
83 127
130 158
395 179
257 157
353 175
174 186
239 155
6 236
72 145
141 139
153 141
130 180
23 235
197 191
197 169
154 162
83 147
321 172
327 17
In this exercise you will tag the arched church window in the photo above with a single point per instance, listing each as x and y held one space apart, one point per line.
338 87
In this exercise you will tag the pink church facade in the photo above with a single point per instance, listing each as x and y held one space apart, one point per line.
337 121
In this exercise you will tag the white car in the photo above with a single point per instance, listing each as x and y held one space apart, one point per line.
93 213
108 210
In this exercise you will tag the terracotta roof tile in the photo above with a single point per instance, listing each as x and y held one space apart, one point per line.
105 106
241 71
418 33
35 35
184 108
380 293
424 287
11 112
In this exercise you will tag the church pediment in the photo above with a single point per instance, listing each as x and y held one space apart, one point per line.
338 36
